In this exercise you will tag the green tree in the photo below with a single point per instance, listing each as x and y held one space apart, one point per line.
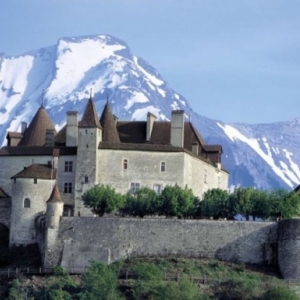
215 204
142 203
242 201
102 199
100 283
262 206
59 285
285 204
176 202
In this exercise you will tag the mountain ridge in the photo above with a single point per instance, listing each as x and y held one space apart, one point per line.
262 155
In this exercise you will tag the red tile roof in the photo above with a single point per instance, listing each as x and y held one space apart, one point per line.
109 133
55 195
38 171
35 134
90 116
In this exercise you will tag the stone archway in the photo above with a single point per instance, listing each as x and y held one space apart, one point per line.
4 236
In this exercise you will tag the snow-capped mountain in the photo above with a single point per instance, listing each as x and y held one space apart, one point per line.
264 155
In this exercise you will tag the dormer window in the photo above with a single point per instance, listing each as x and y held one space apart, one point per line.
195 147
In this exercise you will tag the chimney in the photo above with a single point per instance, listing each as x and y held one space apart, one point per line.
49 141
72 129
55 155
23 127
150 120
177 128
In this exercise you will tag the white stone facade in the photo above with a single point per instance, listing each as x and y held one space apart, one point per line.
28 201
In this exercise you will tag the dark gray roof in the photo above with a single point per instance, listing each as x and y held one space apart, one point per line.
36 150
3 194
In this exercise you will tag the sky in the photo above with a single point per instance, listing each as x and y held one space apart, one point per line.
233 60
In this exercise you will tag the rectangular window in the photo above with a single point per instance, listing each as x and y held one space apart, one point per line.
68 166
157 188
125 164
35 180
86 179
134 186
68 188
205 176
163 166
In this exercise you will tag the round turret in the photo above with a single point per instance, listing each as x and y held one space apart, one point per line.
29 195
288 248
55 207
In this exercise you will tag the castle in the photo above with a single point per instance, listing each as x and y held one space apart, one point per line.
39 162
43 174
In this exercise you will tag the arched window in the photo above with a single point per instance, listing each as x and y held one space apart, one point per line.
27 203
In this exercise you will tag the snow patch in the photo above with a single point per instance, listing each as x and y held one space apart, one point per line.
234 135
141 113
152 78
137 97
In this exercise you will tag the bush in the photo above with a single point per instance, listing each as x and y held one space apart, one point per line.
279 293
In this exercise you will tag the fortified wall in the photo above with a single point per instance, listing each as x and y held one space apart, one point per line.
82 239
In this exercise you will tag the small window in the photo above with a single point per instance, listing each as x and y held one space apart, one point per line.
195 147
134 186
205 176
86 131
163 166
68 166
125 164
86 179
27 203
68 188
87 145
157 188
35 180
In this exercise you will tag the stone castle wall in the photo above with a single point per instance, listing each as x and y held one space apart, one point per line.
144 168
82 239
288 248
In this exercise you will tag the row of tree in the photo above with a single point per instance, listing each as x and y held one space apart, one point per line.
175 201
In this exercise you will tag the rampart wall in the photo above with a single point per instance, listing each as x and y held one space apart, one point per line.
81 239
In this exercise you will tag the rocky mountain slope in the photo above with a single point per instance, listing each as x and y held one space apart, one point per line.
264 155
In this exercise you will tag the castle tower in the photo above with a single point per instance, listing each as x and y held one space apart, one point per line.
55 206
89 137
30 190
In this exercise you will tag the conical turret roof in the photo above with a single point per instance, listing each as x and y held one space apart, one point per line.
110 132
55 195
90 116
35 134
